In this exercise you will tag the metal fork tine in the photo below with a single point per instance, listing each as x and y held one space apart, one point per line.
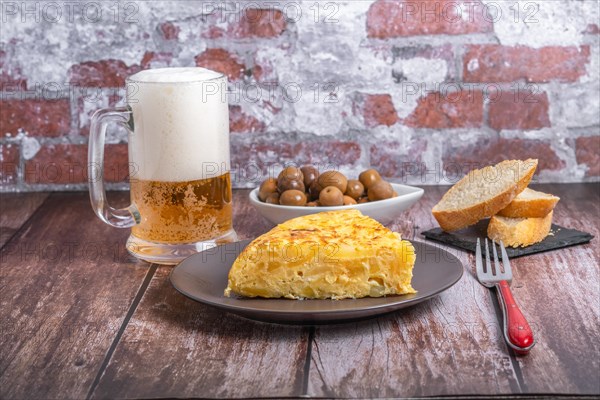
496 261
488 263
498 275
478 259
505 262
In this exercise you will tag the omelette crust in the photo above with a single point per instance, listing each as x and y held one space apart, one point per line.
335 254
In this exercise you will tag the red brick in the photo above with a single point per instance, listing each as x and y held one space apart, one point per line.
9 163
257 159
68 164
497 63
461 109
241 122
262 23
11 78
222 61
394 18
587 151
169 31
116 163
396 159
37 117
62 163
489 151
523 111
376 109
152 59
103 73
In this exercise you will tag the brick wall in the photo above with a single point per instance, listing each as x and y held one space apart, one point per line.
422 90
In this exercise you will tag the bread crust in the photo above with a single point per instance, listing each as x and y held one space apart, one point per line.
451 220
524 233
529 208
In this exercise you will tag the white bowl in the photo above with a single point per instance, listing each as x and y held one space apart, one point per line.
384 211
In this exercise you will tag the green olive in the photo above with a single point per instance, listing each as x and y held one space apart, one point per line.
314 190
333 178
331 196
273 198
292 198
284 184
266 188
369 178
380 191
349 201
355 189
310 173
291 173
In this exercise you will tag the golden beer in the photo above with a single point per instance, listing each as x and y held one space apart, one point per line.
182 212
178 145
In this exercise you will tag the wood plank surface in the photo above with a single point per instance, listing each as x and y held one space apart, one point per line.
67 284
453 344
16 209
71 322
560 291
449 345
175 347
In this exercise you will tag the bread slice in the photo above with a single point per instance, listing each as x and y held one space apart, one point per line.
515 232
530 204
336 254
482 193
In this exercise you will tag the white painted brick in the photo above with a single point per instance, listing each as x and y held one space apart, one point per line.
47 48
422 70
575 105
315 117
312 53
334 51
94 101
29 147
542 23
405 98
593 66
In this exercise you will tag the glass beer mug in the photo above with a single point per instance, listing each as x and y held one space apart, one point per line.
178 123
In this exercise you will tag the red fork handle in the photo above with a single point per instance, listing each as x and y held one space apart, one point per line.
517 332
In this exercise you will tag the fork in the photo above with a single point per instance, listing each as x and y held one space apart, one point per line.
517 332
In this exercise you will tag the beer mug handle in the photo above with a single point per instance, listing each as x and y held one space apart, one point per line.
117 217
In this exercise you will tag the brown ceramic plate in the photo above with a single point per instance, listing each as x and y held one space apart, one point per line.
203 277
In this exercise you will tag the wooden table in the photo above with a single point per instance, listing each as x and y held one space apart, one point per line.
83 319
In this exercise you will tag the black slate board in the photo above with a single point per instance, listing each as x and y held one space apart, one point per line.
466 239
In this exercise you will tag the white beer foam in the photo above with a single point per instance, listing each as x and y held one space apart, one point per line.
181 124
175 75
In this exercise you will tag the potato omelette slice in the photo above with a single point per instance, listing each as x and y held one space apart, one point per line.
335 254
